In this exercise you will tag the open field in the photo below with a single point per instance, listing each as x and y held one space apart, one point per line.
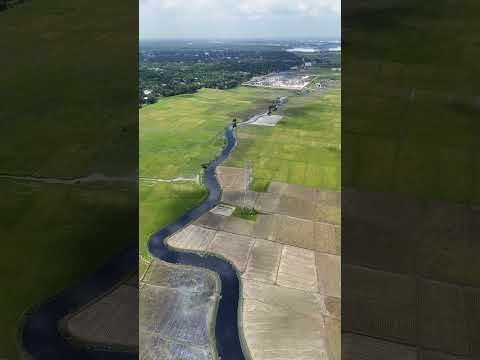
161 204
289 268
321 72
177 135
301 225
303 148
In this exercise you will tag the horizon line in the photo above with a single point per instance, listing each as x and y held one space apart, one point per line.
304 38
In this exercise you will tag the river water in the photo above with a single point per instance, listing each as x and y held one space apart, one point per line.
42 338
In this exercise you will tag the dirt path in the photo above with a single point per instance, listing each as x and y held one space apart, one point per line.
92 178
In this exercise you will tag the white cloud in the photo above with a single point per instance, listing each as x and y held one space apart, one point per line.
241 17
248 7
300 7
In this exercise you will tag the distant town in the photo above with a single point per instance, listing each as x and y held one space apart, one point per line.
170 68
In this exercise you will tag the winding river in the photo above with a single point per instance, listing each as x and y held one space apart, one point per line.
226 328
41 336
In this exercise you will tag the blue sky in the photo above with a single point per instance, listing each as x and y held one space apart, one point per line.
239 19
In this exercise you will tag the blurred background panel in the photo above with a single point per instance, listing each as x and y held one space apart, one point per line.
410 277
68 168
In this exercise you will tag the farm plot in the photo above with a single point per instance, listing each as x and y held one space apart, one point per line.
303 148
177 135
177 309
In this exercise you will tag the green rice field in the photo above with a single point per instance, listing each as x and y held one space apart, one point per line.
163 203
177 135
303 149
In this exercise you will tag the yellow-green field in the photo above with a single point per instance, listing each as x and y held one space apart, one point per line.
163 203
303 149
177 135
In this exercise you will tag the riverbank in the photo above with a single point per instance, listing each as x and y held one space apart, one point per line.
177 135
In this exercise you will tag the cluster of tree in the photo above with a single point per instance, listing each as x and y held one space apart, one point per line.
168 71
326 58
179 77
208 55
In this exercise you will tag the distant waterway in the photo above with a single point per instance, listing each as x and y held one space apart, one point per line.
303 49
313 50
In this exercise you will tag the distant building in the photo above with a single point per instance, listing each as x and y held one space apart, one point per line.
294 68
308 64
147 92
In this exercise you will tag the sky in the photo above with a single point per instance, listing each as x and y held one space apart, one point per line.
223 19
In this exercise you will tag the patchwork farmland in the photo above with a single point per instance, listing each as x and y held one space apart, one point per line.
277 223
177 136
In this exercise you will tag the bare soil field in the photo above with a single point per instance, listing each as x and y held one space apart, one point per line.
177 311
289 266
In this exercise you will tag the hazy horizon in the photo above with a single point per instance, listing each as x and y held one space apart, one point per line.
222 39
240 20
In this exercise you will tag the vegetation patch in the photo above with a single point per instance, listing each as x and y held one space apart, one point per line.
260 185
245 213
162 204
